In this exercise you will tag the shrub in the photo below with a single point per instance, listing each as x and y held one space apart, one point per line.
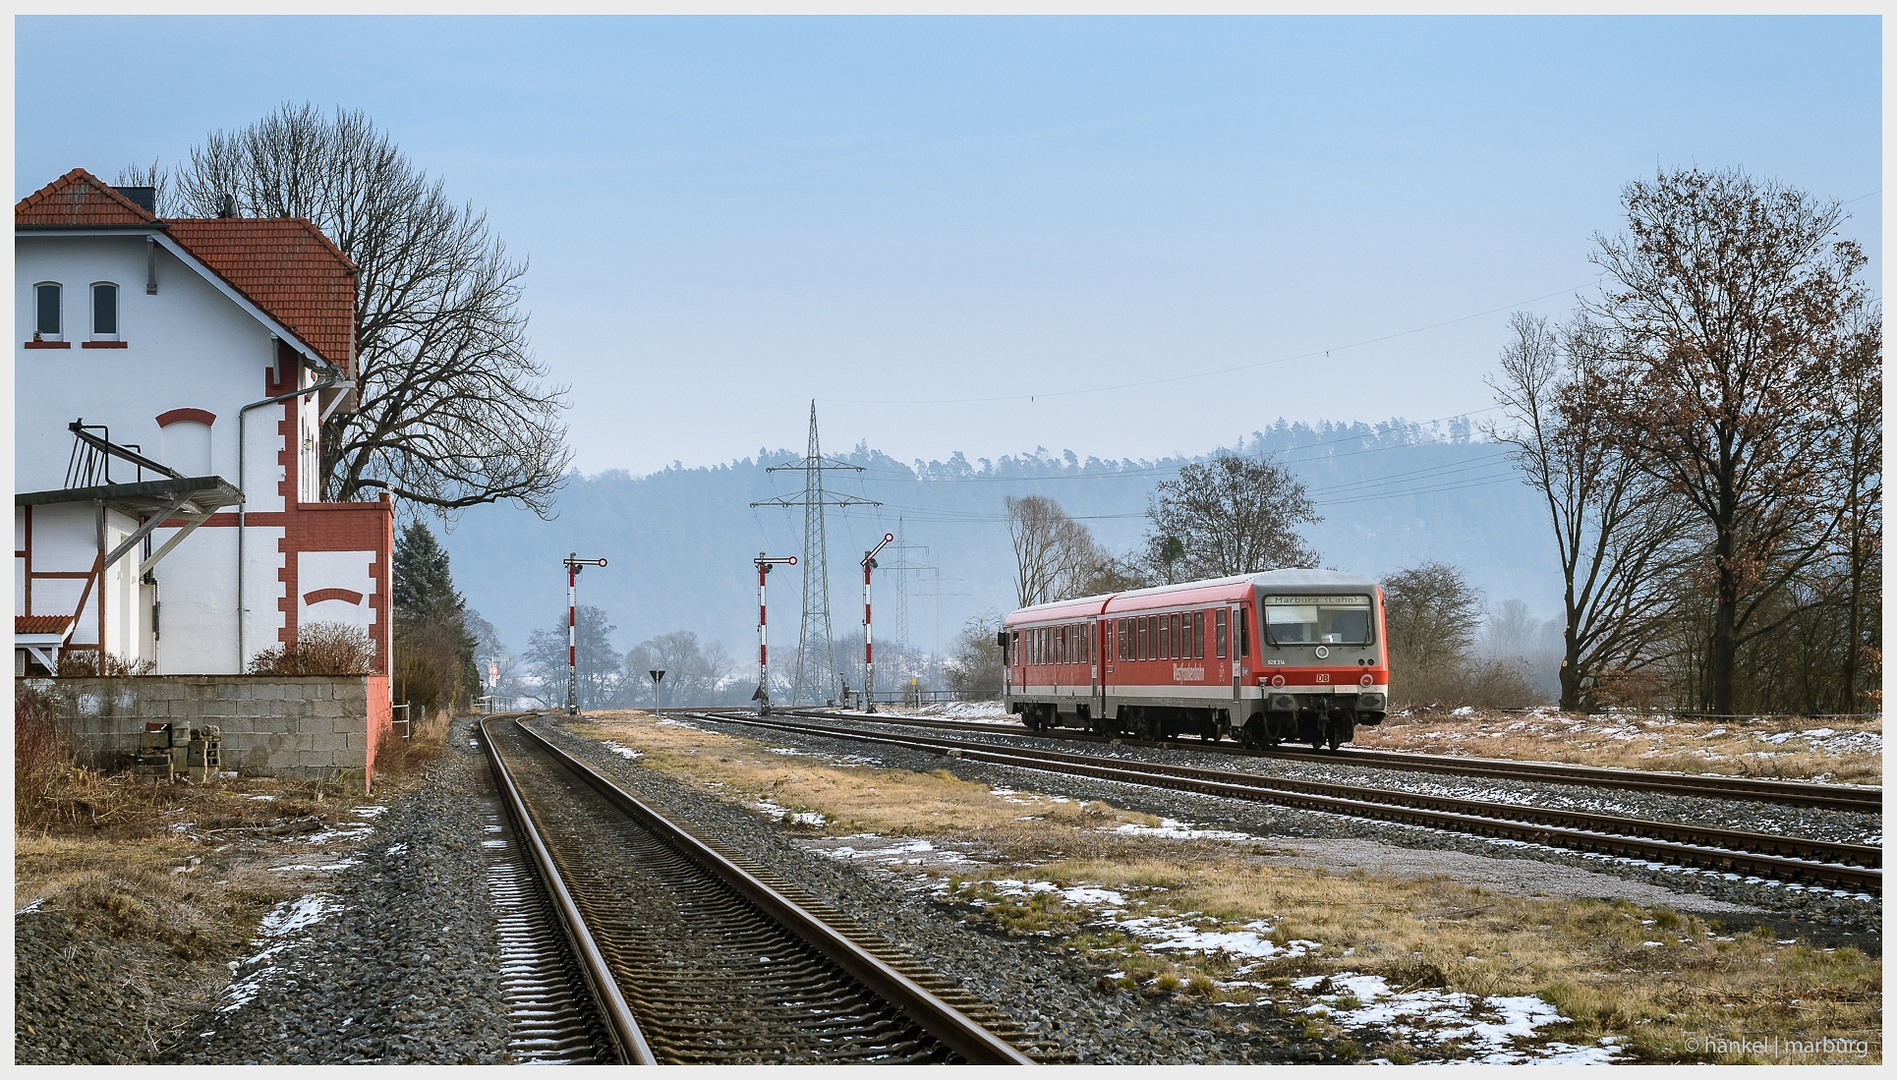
41 751
86 665
320 649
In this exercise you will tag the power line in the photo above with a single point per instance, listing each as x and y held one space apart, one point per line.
1216 371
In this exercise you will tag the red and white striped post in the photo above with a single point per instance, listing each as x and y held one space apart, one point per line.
573 565
869 652
762 695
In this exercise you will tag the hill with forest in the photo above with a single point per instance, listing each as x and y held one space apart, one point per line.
679 542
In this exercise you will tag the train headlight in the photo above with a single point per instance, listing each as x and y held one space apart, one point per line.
1277 680
1365 681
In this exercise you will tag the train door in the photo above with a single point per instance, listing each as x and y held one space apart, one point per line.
1096 655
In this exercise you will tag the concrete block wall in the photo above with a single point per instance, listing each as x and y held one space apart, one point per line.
310 727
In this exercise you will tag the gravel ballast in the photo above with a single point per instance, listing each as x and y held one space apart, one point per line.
395 962
393 955
1824 916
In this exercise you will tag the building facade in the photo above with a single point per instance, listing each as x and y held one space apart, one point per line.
170 382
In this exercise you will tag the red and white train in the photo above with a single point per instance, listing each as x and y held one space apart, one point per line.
1287 655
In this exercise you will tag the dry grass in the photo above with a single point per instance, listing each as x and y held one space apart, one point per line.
1591 959
158 885
401 762
1849 754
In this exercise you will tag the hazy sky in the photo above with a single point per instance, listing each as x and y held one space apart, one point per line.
1124 236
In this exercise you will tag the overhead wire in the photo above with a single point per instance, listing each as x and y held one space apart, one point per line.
1215 371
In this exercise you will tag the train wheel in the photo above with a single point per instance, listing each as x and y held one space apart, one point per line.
1336 738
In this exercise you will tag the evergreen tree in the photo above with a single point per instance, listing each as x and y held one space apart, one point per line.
434 650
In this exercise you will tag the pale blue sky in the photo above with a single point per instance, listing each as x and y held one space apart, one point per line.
729 216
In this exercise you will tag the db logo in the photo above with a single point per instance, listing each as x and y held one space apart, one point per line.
1323 678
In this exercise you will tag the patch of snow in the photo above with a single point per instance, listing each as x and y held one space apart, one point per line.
1179 831
342 865
626 752
1494 1028
1251 940
370 811
1462 711
30 908
284 929
397 849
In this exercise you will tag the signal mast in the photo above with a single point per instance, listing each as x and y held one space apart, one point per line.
573 564
869 655
762 696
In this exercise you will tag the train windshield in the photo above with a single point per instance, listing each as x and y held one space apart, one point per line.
1317 620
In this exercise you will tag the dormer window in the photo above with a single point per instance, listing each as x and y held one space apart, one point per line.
47 323
105 311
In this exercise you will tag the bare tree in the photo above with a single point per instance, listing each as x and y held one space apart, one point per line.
1055 557
976 666
693 672
1232 515
1431 614
1858 473
453 411
1614 527
1726 318
597 663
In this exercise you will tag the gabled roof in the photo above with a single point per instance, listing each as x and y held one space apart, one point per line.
80 200
288 268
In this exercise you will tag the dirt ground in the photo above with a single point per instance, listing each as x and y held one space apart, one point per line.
1235 919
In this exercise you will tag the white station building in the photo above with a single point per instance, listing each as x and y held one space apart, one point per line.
170 382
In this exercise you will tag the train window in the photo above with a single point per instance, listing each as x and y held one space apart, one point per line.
1165 638
1218 632
1244 632
1181 648
1198 635
1119 638
1328 620
1014 654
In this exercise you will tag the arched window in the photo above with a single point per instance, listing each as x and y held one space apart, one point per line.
47 308
105 311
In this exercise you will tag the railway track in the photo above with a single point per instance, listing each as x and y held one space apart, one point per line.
690 957
1859 799
1851 866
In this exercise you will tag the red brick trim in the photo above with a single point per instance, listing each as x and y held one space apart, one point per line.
179 416
103 345
317 596
49 344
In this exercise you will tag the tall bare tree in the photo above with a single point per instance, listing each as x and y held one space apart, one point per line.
1858 474
1055 557
1231 515
1727 314
454 409
1616 531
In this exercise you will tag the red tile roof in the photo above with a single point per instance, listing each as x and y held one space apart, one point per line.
287 267
79 200
41 624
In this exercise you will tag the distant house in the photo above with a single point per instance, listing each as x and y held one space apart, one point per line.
169 385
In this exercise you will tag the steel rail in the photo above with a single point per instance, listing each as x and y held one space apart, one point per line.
1501 820
951 1026
1856 798
631 1042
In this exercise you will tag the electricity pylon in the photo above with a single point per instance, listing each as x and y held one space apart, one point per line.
816 672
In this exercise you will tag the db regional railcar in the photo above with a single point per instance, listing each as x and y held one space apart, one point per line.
1287 655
